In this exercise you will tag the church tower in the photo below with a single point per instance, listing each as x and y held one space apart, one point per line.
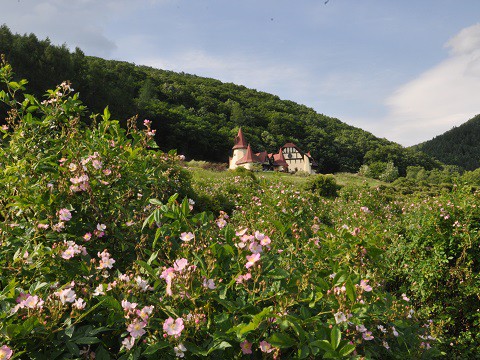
239 150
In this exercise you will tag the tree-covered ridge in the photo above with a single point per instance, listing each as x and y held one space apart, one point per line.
459 146
197 116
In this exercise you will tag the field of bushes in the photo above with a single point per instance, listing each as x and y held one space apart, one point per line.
111 249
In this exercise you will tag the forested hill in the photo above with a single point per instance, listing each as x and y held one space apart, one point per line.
458 146
199 116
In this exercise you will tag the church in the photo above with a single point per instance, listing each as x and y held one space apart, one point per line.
288 159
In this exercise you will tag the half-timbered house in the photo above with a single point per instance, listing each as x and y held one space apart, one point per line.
289 157
298 160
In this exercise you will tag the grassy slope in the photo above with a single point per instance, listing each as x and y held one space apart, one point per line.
343 179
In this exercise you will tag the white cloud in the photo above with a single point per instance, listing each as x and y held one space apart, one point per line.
440 98
466 41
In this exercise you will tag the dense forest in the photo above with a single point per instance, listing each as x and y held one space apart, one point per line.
200 116
459 146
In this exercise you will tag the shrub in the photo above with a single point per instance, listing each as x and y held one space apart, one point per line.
436 256
324 185
387 172
390 173
471 177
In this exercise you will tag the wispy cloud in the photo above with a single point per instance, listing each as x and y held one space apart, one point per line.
440 98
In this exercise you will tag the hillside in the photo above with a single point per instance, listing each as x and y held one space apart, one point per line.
198 116
459 146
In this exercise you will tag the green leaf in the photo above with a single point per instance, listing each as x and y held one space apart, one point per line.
323 285
194 349
152 349
90 310
92 332
14 85
303 352
9 290
200 262
317 297
72 348
322 344
112 303
152 257
157 216
331 355
101 354
257 319
347 349
339 278
350 289
281 340
229 305
335 337
278 274
146 267
87 340
147 221
222 345
185 207
36 286
295 325
229 234
13 330
69 331
106 114
172 198
155 202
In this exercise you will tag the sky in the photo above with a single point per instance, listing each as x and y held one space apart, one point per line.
405 70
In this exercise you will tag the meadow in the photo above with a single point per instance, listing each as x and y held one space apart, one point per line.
112 249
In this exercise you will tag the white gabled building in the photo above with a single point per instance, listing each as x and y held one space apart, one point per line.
289 157
297 160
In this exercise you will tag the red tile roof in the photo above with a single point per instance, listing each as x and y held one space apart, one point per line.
279 160
249 157
292 145
262 156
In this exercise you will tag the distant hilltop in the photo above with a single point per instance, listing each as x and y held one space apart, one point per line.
459 146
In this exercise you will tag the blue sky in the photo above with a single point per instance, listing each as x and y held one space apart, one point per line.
406 70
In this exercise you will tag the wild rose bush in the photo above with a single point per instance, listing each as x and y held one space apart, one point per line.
437 257
104 254
421 248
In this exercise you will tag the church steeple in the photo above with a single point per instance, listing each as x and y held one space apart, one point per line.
240 142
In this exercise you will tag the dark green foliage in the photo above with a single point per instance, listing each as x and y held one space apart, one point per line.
458 146
401 158
324 185
472 177
198 116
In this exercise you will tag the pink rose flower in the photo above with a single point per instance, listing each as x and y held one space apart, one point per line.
173 327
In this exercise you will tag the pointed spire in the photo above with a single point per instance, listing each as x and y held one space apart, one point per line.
240 142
